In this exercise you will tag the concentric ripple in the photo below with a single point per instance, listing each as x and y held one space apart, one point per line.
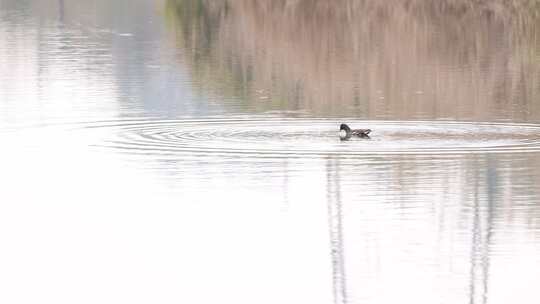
317 138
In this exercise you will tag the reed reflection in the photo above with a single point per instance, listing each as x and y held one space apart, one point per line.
389 244
433 229
335 218
377 59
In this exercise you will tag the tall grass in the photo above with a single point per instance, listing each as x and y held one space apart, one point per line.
457 59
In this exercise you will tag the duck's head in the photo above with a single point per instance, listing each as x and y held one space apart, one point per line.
344 132
344 127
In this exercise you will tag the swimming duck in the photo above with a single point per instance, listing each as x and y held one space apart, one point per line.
345 132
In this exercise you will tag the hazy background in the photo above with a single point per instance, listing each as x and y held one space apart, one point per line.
187 151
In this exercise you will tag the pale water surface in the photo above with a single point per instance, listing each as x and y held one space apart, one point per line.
188 152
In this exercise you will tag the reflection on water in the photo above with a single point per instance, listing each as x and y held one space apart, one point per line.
187 151
438 237
375 59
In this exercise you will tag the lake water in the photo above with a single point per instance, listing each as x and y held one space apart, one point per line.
188 151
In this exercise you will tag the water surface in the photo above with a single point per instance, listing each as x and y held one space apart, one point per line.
188 151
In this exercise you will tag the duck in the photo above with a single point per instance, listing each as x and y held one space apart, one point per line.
345 133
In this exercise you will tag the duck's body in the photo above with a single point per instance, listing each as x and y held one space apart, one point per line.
345 132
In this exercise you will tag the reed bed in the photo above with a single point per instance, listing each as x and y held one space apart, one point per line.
401 59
